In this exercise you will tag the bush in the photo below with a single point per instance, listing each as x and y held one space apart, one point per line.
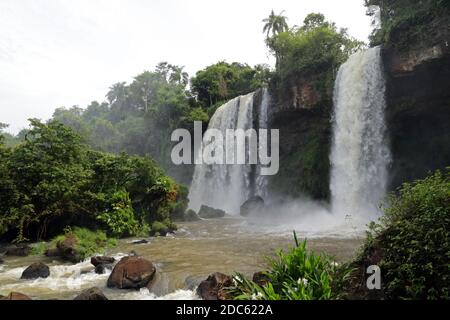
313 51
39 248
119 219
411 244
295 275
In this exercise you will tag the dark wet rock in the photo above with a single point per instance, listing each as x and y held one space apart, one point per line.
132 273
91 294
67 249
143 241
160 230
213 288
210 213
192 282
53 252
18 251
1 261
102 260
16 296
261 278
191 216
101 268
36 270
252 206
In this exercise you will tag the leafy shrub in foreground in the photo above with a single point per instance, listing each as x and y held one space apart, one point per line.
411 244
295 275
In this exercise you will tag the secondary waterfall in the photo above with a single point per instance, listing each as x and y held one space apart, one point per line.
227 187
360 154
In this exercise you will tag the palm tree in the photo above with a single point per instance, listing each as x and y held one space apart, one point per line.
178 76
275 24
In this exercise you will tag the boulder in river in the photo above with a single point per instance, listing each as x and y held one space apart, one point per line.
210 213
143 241
16 296
132 273
191 216
252 205
213 287
18 251
35 271
67 249
98 260
91 294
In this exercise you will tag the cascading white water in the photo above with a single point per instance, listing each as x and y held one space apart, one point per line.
360 155
226 187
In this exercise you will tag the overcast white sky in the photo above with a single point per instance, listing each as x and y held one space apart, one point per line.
62 52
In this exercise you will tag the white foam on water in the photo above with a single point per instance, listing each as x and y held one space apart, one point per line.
145 294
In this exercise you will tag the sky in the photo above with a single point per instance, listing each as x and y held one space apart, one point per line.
56 53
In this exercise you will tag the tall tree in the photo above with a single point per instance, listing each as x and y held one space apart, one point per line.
275 24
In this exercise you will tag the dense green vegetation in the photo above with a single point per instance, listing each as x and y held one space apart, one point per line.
52 180
295 275
312 52
411 244
405 23
86 243
139 118
223 81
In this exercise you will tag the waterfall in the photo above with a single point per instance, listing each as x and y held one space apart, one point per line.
261 180
227 187
360 154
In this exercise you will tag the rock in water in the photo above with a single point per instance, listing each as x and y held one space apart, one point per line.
210 213
18 251
67 249
131 273
91 294
100 269
102 260
16 296
191 216
252 205
213 287
36 270
143 241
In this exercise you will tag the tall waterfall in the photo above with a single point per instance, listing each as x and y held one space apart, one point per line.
360 154
227 187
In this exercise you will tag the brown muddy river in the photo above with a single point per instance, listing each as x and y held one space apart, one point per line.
183 260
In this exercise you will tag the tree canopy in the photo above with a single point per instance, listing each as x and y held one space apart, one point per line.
53 180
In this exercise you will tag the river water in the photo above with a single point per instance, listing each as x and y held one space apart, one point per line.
182 260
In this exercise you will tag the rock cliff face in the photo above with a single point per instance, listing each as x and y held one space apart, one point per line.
303 116
418 110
